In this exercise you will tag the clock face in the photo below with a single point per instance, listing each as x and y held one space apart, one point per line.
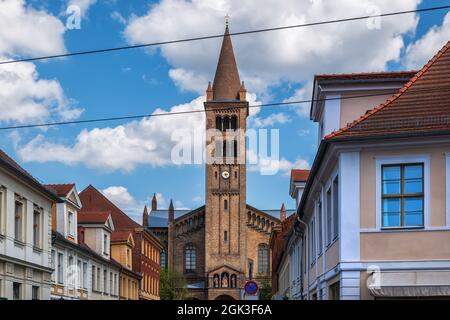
225 174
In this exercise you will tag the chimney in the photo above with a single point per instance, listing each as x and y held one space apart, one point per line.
145 217
282 213
154 202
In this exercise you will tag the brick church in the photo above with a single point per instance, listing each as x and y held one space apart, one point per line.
224 243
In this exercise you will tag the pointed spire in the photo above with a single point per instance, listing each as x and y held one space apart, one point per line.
283 213
154 202
226 85
171 212
145 217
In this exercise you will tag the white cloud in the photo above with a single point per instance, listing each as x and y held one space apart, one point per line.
119 196
270 121
117 16
26 31
146 142
267 166
24 96
419 52
268 59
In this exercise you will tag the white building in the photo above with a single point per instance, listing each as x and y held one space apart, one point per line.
81 270
25 233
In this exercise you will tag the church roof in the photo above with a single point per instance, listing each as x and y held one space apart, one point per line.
159 218
227 83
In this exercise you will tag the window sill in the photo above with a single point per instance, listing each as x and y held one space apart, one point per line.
37 250
401 228
19 243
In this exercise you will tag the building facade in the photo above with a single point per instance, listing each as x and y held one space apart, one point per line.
374 211
146 249
224 243
122 245
25 234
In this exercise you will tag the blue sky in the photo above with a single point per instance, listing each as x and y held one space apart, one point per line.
140 81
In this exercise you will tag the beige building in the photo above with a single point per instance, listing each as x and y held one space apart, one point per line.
25 233
375 209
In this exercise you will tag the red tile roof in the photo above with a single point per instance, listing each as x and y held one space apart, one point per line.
61 190
299 175
95 217
366 76
421 105
94 200
120 236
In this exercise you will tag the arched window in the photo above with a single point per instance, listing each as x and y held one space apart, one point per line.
233 123
235 148
219 123
263 258
224 149
162 260
226 123
190 258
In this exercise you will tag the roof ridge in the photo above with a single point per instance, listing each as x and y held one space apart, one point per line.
394 97
109 201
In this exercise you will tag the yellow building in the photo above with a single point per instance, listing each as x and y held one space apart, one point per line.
122 244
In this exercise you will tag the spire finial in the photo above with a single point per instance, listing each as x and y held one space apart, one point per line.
227 20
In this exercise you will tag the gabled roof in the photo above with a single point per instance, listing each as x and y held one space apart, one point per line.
421 105
122 236
12 166
62 190
226 83
93 217
94 200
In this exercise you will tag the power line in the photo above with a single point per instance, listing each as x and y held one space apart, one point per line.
152 115
78 53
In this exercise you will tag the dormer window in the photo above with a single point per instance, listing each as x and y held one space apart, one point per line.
71 224
105 244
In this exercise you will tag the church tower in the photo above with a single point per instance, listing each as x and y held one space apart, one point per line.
225 212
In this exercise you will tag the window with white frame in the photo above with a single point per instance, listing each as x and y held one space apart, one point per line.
320 225
71 271
37 216
97 282
18 219
71 223
105 281
94 282
335 207
80 274
402 195
312 241
105 244
60 268
2 208
53 264
85 266
329 216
